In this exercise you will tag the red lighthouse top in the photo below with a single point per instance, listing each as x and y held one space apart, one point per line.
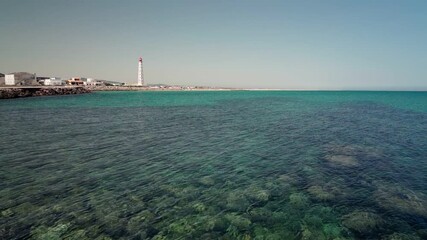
140 59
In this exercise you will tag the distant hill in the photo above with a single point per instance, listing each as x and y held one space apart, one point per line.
21 76
25 78
1 79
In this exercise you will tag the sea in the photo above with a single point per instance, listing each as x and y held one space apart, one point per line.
214 165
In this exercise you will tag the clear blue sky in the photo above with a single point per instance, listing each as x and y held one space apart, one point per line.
261 44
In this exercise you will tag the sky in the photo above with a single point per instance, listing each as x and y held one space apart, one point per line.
328 44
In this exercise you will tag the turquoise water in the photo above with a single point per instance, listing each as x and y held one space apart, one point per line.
214 165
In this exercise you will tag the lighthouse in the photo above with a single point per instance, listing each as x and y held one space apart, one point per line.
140 73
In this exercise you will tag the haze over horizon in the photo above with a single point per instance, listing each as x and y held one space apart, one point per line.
363 45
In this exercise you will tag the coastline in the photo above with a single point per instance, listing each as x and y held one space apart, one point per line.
38 91
156 88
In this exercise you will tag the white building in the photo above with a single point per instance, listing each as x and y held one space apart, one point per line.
9 79
93 82
53 81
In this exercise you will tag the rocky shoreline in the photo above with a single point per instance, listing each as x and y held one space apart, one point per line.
35 91
19 92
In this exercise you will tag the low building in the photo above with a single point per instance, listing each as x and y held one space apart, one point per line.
111 83
38 79
53 81
93 82
9 79
41 80
75 81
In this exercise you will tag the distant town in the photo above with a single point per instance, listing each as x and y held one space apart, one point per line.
26 79
31 79
25 84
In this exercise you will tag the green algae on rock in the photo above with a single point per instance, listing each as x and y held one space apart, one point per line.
50 233
401 236
140 221
7 213
181 227
199 207
321 193
261 233
238 221
237 201
260 214
361 221
257 194
298 200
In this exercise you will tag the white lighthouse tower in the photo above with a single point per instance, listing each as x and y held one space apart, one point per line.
140 73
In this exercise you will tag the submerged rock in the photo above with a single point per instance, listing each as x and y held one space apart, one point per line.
256 194
362 222
342 160
401 199
355 150
351 155
276 189
260 214
298 200
215 223
199 207
181 227
238 221
159 237
77 235
103 237
207 181
308 233
313 228
140 221
7 213
332 231
181 192
262 233
288 179
401 236
237 201
321 193
51 233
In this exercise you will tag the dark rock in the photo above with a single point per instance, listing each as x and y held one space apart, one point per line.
6 93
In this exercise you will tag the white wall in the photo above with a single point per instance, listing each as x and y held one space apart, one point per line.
53 82
9 79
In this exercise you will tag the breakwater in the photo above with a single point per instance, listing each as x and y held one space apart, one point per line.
18 92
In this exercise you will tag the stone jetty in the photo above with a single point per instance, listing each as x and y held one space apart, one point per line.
33 91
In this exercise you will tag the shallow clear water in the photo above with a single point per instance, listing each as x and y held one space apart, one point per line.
214 165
